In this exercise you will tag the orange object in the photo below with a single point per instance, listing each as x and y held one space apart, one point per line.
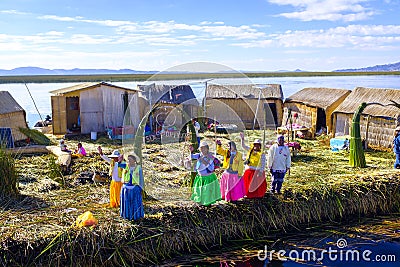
86 219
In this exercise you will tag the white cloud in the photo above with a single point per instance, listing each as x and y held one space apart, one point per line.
262 43
331 10
212 23
52 33
13 12
58 18
241 32
85 39
215 29
352 37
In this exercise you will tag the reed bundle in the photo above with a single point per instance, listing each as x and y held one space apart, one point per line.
8 175
36 136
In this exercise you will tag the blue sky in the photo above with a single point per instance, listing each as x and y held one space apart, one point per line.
254 35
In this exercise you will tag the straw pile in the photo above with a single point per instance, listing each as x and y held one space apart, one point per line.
8 174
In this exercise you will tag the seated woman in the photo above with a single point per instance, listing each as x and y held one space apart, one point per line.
231 183
206 189
131 193
79 152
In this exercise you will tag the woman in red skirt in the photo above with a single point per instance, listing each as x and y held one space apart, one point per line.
254 175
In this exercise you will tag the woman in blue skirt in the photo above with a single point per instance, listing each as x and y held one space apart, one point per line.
131 192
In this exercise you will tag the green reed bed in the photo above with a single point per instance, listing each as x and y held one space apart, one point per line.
37 228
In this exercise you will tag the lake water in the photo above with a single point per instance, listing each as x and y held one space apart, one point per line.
332 246
40 91
364 254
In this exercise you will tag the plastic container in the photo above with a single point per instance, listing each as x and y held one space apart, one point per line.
93 135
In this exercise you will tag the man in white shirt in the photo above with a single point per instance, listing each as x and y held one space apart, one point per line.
279 161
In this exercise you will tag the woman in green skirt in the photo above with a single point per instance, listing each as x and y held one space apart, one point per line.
206 189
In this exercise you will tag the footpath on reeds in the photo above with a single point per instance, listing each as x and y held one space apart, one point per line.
37 230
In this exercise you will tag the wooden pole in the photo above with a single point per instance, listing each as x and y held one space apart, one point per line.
258 103
215 134
34 104
366 132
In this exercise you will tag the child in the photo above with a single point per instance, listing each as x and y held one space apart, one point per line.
63 146
79 152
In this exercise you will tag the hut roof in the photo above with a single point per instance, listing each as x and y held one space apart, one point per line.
8 103
318 97
269 91
371 95
83 86
174 94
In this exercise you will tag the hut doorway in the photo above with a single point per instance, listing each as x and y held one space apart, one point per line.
321 120
271 115
73 111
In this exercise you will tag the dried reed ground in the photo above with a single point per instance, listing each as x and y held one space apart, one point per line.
36 228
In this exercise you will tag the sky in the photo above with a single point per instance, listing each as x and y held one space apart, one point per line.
157 35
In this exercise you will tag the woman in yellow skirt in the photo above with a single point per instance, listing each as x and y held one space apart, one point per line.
116 167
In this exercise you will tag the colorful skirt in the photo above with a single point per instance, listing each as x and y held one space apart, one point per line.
206 189
115 193
254 183
232 187
131 202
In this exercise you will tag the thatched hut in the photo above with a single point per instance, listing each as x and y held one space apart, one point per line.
249 104
93 107
165 100
12 115
313 107
377 122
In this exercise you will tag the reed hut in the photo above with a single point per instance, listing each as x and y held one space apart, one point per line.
168 103
377 123
12 115
254 105
93 107
313 107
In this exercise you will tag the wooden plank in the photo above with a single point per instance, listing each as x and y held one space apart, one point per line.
92 108
28 150
64 158
59 113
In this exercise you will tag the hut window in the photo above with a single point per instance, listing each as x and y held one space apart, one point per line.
74 103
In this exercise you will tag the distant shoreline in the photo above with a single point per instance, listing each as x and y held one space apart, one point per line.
174 76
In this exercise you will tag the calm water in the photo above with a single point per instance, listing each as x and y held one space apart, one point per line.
290 85
361 250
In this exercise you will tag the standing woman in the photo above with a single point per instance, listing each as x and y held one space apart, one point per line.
116 166
131 192
206 189
254 175
232 186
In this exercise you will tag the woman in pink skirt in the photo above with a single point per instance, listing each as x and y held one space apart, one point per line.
231 183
